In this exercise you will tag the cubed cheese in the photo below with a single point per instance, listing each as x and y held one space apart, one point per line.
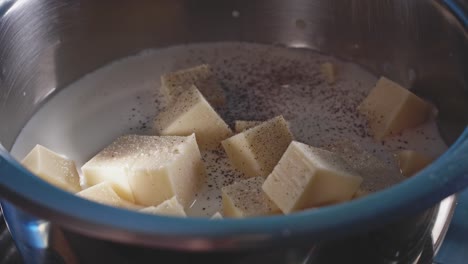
360 193
308 177
112 164
217 215
241 125
191 113
104 193
256 151
170 207
173 167
412 162
377 174
329 72
175 83
53 168
390 108
152 168
246 198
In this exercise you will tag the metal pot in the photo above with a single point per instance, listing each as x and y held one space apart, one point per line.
47 44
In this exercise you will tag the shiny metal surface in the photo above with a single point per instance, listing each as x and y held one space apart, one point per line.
46 44
456 239
7 247
380 246
442 221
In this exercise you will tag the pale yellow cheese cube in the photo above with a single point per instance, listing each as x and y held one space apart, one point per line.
112 164
241 125
412 162
256 151
175 83
390 108
377 174
328 70
191 113
217 215
104 193
170 207
152 169
53 168
308 177
173 167
246 198
360 193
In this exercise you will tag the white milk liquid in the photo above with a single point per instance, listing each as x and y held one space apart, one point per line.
260 81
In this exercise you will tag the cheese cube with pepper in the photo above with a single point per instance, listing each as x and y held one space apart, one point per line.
104 193
246 198
412 162
217 215
53 168
191 113
308 177
170 207
241 125
175 83
256 151
152 169
390 108
328 70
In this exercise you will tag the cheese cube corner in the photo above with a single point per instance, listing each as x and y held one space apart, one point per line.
217 215
175 83
360 193
112 164
246 199
241 125
149 169
411 162
390 108
53 168
377 174
173 167
309 177
328 70
170 207
104 193
256 151
191 113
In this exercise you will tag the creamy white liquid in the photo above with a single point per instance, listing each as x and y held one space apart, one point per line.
260 81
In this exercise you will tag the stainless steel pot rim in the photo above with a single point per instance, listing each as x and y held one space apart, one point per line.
457 10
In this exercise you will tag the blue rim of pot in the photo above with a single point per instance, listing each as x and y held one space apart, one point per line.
448 174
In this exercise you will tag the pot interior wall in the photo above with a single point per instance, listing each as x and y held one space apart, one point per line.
47 44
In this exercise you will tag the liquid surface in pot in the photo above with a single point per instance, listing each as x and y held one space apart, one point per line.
260 82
